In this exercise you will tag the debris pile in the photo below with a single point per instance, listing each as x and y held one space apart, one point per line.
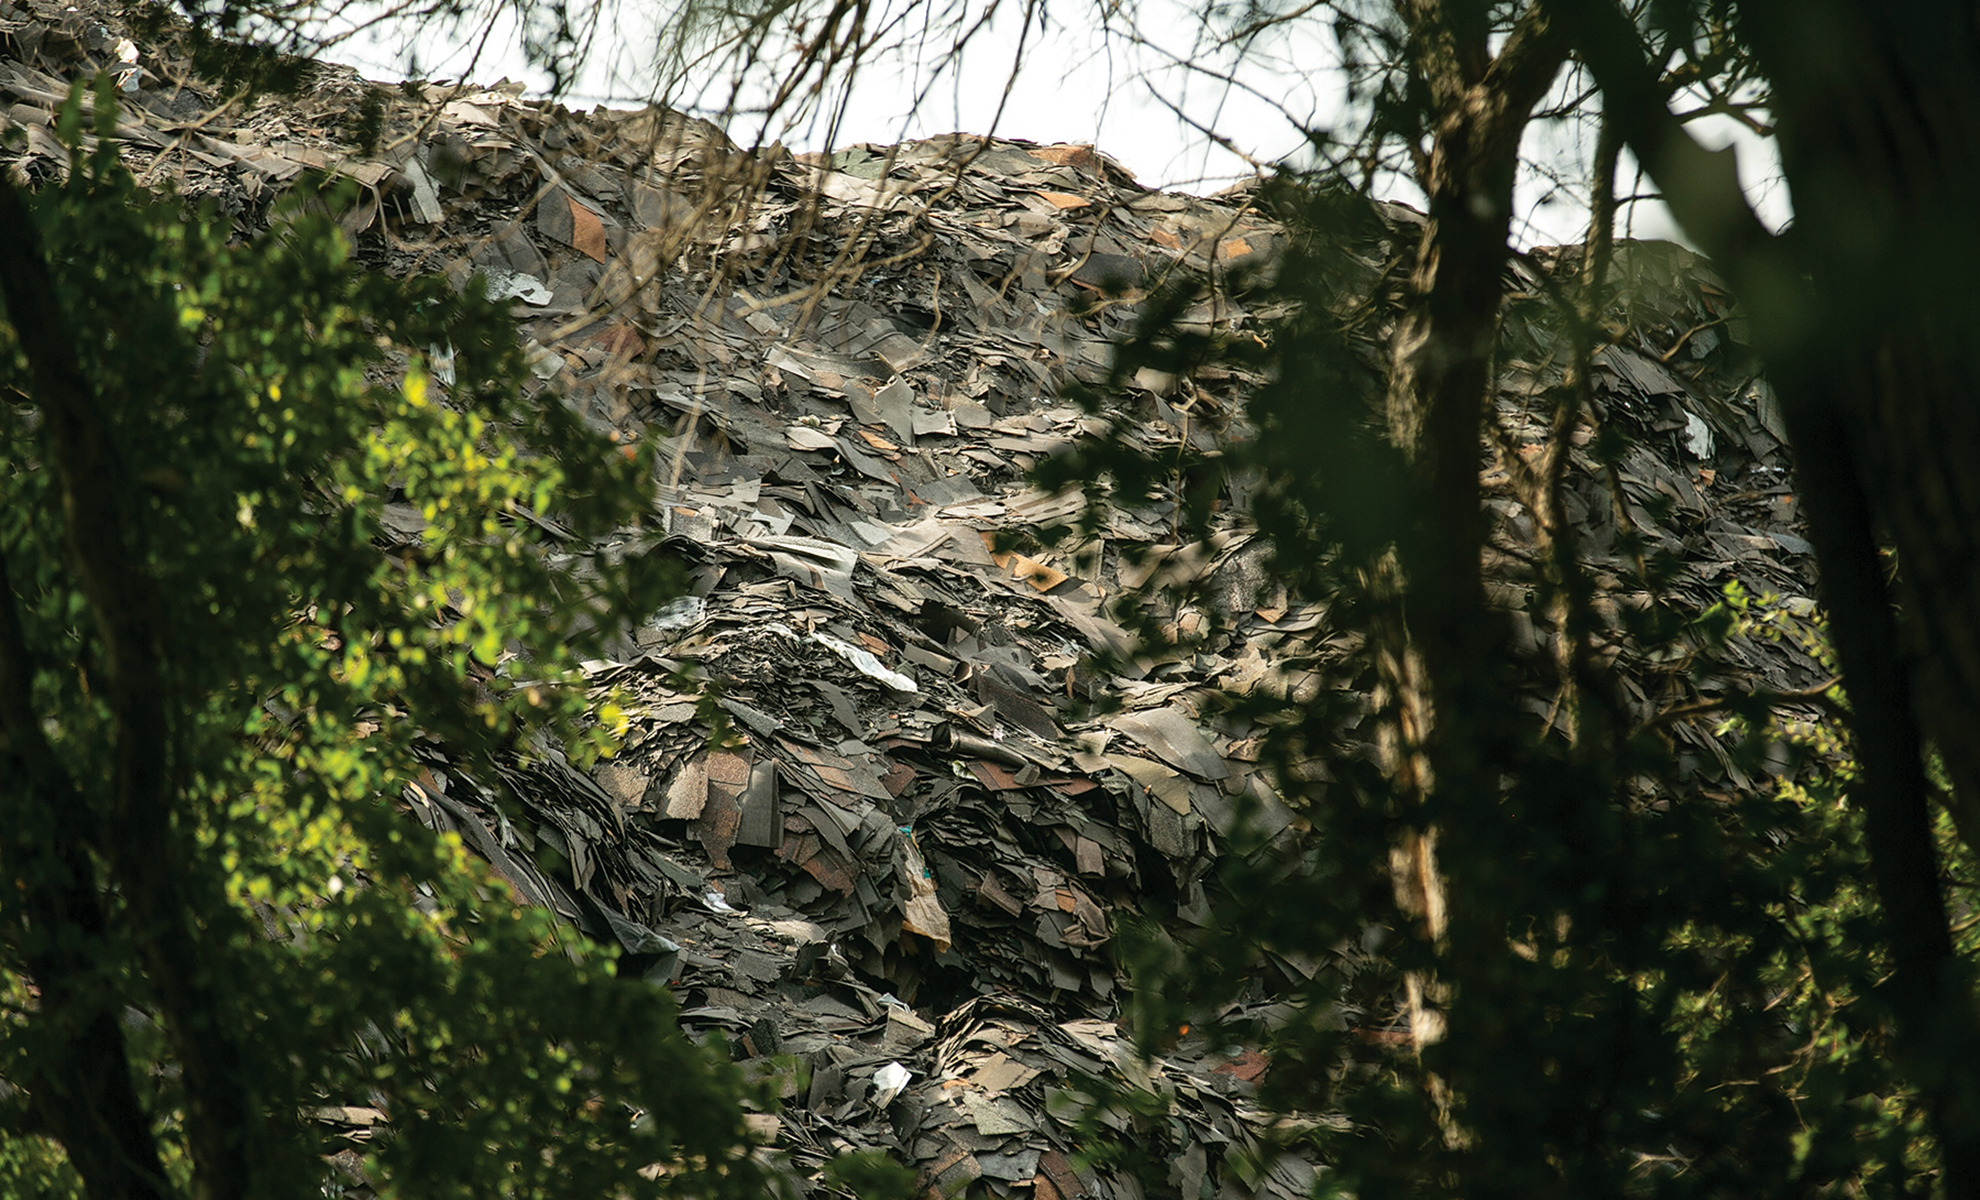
865 823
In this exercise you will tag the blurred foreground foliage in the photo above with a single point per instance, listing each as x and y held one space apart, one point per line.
1645 980
212 921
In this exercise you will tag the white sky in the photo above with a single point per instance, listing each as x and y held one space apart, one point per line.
1074 84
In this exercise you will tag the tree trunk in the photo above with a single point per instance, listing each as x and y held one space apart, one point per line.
80 1085
1440 652
1444 345
142 849
1880 137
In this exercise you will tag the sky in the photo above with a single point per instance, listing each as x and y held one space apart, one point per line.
1147 92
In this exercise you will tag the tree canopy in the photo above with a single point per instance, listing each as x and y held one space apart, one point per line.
1618 976
210 675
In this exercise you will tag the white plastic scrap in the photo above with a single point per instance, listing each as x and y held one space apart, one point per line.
1697 436
859 657
127 73
888 1082
678 614
864 661
504 284
440 362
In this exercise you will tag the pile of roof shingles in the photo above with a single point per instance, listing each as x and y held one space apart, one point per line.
860 823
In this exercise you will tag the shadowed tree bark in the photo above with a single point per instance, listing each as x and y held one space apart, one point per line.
81 1089
1441 655
136 837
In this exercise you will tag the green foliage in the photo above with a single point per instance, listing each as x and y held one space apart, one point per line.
36 1167
868 1173
1654 980
265 401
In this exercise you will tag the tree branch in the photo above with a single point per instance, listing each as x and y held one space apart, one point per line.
1524 67
1700 185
